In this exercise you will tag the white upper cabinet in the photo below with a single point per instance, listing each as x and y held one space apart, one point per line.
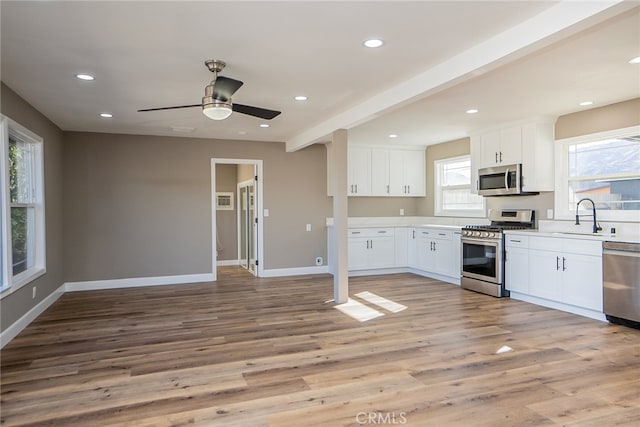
530 144
390 172
359 172
503 147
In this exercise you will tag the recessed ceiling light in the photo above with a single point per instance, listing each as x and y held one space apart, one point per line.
300 98
472 111
106 115
635 60
264 125
373 43
393 135
585 103
84 77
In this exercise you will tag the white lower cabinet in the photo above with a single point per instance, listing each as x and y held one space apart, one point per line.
562 270
371 248
436 251
517 264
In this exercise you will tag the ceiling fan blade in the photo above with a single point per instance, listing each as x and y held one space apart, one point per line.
225 87
262 113
170 108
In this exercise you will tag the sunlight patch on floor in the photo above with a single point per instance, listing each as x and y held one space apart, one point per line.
381 302
358 311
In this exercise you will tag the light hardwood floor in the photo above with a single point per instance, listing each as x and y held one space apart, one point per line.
258 352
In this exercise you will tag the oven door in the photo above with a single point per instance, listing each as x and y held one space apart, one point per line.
482 259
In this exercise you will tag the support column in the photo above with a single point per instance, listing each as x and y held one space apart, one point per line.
339 182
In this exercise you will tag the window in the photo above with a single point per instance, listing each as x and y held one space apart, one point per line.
22 231
453 189
604 167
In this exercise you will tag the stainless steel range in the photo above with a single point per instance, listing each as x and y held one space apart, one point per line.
483 251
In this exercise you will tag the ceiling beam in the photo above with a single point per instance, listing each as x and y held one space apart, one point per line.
555 23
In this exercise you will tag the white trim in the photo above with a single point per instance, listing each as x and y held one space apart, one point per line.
14 329
137 282
259 209
561 173
295 271
592 314
228 262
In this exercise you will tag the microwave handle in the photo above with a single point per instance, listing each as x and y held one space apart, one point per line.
506 179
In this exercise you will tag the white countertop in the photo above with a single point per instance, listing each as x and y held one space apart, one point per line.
569 235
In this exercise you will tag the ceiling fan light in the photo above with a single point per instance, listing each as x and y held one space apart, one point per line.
217 110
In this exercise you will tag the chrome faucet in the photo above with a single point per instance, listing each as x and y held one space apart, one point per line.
596 227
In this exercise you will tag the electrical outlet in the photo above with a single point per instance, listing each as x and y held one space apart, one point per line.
401 212
319 260
308 227
33 292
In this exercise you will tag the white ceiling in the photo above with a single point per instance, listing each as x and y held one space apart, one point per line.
151 54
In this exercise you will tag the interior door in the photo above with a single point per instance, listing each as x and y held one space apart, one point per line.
247 226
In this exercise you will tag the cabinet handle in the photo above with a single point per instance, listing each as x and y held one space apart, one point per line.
355 232
478 184
382 231
501 157
408 189
434 246
442 234
514 241
356 188
387 188
371 246
414 234
557 263
496 153
564 267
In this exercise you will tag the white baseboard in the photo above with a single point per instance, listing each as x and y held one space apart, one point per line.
137 282
227 262
12 331
592 314
296 271
378 271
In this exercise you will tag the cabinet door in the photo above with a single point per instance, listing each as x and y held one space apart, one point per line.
382 252
443 262
358 252
359 171
396 174
582 281
510 146
412 248
425 258
517 270
379 172
414 173
545 274
489 149
401 246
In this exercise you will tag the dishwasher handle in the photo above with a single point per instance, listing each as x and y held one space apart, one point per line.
609 247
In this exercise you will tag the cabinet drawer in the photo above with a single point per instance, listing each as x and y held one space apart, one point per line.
434 233
370 232
517 241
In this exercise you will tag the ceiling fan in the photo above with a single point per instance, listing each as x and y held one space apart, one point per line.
216 102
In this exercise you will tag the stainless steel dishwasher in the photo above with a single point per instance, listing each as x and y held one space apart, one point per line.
621 278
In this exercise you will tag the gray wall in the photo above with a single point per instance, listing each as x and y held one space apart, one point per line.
140 206
14 306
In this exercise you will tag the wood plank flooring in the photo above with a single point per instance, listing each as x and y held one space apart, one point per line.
271 352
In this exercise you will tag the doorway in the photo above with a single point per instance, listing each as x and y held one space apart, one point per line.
247 231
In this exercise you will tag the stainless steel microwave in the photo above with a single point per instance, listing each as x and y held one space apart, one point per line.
501 181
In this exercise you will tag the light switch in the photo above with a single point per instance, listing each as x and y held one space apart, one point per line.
266 213
308 227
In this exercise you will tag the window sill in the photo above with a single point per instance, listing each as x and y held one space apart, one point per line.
23 279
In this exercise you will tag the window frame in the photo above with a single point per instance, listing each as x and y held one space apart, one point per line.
10 283
561 193
438 189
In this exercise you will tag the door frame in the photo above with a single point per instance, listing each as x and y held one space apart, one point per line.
259 211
